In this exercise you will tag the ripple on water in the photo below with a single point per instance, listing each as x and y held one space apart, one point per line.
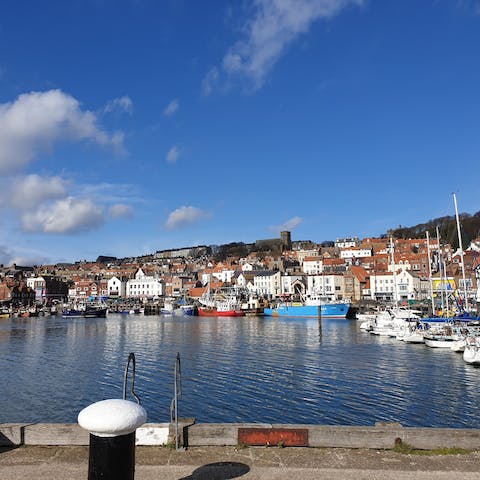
242 369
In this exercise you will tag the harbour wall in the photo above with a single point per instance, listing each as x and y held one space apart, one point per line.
380 436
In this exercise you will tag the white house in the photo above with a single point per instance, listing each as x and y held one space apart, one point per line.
247 267
330 286
404 285
245 280
356 253
116 288
37 284
268 283
312 265
143 286
224 275
347 242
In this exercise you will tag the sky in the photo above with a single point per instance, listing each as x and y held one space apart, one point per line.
132 126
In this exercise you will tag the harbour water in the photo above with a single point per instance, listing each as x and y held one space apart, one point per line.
250 369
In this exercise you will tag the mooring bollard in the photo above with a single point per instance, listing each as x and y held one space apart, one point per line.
112 425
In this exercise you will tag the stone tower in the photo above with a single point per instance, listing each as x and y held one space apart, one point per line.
286 240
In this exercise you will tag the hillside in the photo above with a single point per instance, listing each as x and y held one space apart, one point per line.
447 226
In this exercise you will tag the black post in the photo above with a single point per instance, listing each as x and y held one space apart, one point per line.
112 424
320 332
112 458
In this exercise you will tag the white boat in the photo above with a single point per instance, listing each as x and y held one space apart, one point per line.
412 332
471 353
459 344
415 336
439 341
393 323
440 337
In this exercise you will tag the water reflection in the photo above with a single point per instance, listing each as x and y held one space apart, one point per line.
248 369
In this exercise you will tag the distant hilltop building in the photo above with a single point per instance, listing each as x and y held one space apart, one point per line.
282 243
184 252
347 242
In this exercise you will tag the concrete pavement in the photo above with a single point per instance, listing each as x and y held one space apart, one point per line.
250 463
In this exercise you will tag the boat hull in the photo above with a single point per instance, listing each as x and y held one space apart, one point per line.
327 310
213 312
89 313
471 355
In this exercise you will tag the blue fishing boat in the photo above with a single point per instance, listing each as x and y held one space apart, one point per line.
325 310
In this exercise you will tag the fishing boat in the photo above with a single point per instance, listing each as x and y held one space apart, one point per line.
87 311
95 312
189 310
219 312
324 310
224 302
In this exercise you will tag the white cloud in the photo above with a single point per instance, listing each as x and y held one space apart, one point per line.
289 225
120 210
109 193
210 81
183 216
68 215
7 258
171 108
36 121
273 27
122 104
29 260
173 154
31 190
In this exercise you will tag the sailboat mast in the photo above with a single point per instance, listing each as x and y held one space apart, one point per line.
430 274
440 270
460 246
392 253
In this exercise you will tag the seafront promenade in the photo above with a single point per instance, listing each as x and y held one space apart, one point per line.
251 463
224 451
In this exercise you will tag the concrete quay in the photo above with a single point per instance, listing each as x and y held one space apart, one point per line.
191 434
249 463
224 451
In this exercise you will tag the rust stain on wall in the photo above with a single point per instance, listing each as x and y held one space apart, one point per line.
287 437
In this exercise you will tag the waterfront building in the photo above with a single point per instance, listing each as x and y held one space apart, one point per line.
143 286
21 295
293 285
267 283
328 286
82 290
47 288
116 288
356 279
400 286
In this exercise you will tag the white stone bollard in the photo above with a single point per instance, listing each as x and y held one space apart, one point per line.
112 424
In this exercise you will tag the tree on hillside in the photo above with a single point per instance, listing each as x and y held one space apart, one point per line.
447 226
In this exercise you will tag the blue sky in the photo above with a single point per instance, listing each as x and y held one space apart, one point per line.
130 126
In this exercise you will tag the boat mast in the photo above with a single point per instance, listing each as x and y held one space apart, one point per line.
440 270
430 275
392 253
460 246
